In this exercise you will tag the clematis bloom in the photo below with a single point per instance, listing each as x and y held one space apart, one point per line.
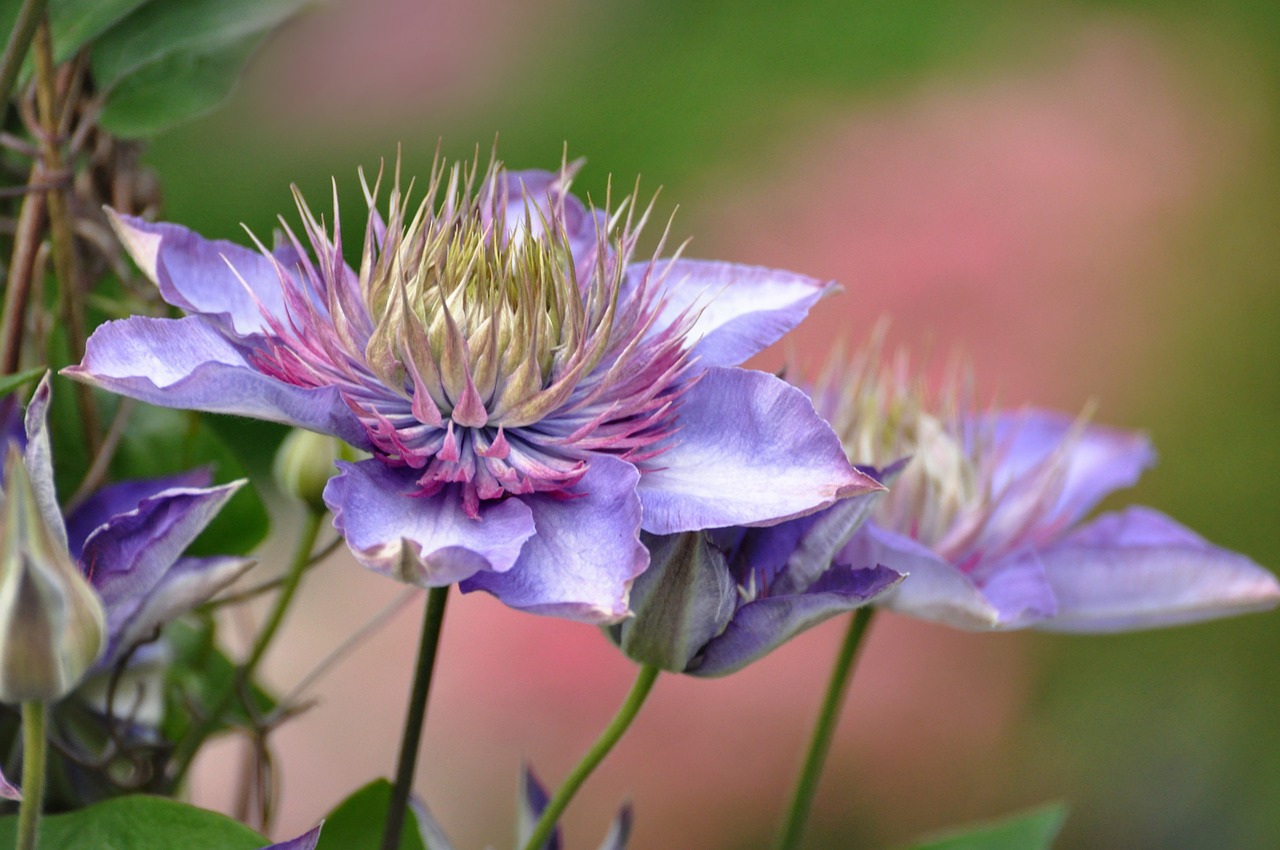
988 516
532 398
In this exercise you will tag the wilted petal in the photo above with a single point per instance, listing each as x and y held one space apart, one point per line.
201 275
306 841
116 499
187 363
932 590
750 451
424 540
1140 569
188 583
1098 462
763 624
127 555
740 310
586 553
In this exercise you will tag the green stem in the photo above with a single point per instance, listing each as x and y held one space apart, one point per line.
601 748
824 731
15 50
186 751
33 763
410 740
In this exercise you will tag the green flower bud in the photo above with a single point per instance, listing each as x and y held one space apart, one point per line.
304 465
52 625
683 600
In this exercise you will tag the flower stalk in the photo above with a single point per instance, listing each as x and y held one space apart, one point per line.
406 766
824 731
34 714
602 747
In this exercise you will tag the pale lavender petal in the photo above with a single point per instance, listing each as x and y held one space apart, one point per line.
424 540
1100 461
200 275
619 830
586 553
932 590
125 496
187 363
38 455
763 624
750 450
1018 589
531 802
127 555
1140 569
306 841
188 583
740 310
429 829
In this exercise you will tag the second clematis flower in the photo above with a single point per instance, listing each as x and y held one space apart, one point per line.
532 397
987 516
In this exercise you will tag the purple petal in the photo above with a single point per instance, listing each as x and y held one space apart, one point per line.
531 803
932 590
8 791
127 555
306 841
204 276
188 583
763 624
187 363
750 450
586 553
1100 461
738 310
116 499
424 540
619 830
1139 569
38 455
1018 589
429 829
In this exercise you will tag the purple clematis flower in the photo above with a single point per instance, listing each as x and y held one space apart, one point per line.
986 518
531 397
307 841
713 602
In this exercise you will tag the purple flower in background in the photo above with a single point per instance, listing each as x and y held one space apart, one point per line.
306 841
712 602
531 397
986 517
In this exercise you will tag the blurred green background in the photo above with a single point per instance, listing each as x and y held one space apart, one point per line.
1085 197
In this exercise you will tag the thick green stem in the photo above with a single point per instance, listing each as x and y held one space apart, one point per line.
33 769
190 745
824 731
15 50
406 767
604 744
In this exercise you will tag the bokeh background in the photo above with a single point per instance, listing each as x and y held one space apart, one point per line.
1083 197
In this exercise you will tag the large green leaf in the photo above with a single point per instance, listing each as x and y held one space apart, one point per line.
1033 830
74 23
358 821
163 28
138 823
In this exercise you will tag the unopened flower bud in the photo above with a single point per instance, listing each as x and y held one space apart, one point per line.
304 465
52 624
681 602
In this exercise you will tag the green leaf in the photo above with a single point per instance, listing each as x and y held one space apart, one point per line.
177 88
1032 830
74 23
164 28
358 821
199 676
138 823
9 383
160 441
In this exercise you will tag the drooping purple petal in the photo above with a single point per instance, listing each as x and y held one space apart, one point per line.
125 496
763 624
740 310
306 841
188 583
128 554
201 275
932 590
1098 462
750 451
424 540
587 551
187 363
1140 569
